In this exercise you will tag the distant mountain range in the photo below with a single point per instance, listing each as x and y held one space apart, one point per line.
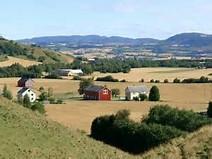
88 39
191 43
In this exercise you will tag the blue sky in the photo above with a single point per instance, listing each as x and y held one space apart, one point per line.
129 18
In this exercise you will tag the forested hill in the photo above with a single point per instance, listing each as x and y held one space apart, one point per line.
192 43
31 52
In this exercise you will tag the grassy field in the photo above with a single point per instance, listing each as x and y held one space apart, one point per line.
79 114
147 74
26 134
13 60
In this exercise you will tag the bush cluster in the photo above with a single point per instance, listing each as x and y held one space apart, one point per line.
162 124
107 79
181 119
131 136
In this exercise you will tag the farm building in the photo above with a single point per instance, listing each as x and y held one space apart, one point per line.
94 92
25 82
132 92
69 72
27 91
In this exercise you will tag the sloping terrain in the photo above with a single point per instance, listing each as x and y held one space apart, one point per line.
32 52
25 134
12 60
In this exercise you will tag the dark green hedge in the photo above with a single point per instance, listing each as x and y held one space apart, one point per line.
181 119
131 136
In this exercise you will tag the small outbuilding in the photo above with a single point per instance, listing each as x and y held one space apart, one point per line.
25 82
132 92
94 92
69 72
29 92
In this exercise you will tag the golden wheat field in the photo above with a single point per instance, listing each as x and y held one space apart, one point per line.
79 114
157 73
13 60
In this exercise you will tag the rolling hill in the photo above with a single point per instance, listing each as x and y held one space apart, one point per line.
30 52
185 43
26 134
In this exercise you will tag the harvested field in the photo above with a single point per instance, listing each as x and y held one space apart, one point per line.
159 73
79 114
13 60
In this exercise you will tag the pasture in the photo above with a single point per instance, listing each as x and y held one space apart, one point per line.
79 114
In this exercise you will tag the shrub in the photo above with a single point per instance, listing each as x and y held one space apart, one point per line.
7 93
123 80
123 114
143 97
176 80
107 79
157 81
131 136
181 119
37 106
152 81
83 84
209 111
76 78
53 76
166 81
26 101
142 80
43 96
154 94
136 98
115 92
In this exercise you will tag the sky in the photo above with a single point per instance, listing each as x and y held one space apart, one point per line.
129 18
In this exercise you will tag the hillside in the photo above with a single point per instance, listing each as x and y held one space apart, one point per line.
88 40
25 134
11 48
193 44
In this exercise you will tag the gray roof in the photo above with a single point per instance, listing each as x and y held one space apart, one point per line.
94 88
139 89
22 90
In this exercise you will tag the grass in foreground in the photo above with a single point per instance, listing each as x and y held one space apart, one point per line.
25 134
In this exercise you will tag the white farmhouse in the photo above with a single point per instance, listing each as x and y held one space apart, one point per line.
27 91
132 92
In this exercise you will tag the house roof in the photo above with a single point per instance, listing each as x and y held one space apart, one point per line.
94 88
22 90
139 89
23 79
76 71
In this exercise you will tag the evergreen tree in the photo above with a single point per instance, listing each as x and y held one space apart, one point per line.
154 94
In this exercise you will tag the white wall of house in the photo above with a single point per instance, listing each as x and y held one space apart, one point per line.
31 95
132 95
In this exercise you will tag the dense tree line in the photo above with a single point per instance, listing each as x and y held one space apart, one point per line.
101 65
162 124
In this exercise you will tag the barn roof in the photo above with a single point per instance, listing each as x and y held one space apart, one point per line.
94 88
139 89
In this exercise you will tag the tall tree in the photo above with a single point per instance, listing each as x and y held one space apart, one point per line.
154 94
83 84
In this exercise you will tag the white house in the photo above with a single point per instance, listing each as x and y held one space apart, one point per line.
69 72
132 92
27 91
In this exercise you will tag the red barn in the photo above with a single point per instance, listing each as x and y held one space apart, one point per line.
25 82
97 93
